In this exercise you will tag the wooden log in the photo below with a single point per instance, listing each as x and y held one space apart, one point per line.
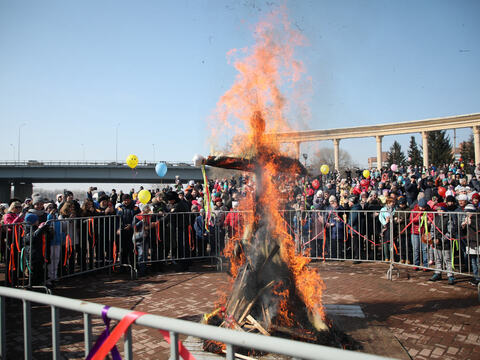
268 319
270 256
294 333
249 306
240 356
257 325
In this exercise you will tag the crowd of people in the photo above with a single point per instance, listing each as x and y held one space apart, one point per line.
408 214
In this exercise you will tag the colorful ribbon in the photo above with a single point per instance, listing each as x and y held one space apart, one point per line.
68 249
207 199
182 350
101 340
91 231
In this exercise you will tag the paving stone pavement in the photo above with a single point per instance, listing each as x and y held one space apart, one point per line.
430 320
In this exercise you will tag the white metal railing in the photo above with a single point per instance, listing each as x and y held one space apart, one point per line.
175 327
88 163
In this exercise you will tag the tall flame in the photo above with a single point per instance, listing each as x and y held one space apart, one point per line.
267 67
254 104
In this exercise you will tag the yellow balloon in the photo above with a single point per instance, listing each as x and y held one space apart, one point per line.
324 169
366 174
132 161
462 165
144 196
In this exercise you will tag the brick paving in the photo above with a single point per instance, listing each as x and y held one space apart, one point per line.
430 320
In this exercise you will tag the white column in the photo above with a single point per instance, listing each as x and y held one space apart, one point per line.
425 148
297 149
476 143
336 149
379 151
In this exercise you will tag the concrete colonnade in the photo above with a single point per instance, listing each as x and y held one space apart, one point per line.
379 138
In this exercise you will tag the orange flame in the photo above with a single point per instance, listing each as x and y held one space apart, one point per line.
256 93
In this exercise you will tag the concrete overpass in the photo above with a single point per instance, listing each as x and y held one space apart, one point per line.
23 174
379 131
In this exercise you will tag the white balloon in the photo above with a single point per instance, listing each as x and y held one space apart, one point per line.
198 159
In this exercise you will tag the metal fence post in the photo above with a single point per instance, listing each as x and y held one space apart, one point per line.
87 331
173 345
55 333
3 334
27 330
230 352
127 345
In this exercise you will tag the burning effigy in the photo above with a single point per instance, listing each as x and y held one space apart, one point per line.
274 291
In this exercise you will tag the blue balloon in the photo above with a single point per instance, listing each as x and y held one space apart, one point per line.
400 178
161 169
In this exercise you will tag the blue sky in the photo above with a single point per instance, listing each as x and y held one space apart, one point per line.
73 70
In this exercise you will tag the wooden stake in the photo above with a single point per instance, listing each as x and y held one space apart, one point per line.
240 356
257 325
249 307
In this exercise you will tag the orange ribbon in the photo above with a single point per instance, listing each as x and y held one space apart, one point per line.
11 263
68 249
192 245
44 246
91 231
158 231
119 330
123 326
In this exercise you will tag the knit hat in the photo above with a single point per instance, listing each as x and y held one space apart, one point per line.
470 208
422 202
102 198
462 197
36 198
172 195
332 198
353 199
450 198
475 196
31 218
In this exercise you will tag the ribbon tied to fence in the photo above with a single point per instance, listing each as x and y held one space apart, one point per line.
106 343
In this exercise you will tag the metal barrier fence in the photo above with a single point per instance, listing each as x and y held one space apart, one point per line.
174 327
63 248
445 242
36 255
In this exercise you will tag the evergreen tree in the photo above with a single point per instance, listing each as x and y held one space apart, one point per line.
414 153
467 150
396 155
440 148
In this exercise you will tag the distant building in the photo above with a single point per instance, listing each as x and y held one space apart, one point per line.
372 161
456 152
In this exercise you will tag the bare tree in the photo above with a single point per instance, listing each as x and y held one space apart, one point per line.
327 156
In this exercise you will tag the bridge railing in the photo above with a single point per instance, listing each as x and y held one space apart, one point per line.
88 163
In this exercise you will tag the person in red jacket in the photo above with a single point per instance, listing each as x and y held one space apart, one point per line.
420 221
14 215
233 221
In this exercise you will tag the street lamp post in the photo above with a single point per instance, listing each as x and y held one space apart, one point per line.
305 156
13 151
116 143
18 146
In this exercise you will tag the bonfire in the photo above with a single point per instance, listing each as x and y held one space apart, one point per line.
273 290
